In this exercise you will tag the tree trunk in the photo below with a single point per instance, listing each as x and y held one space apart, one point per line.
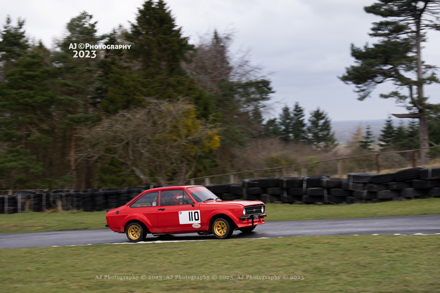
423 123
423 139
73 152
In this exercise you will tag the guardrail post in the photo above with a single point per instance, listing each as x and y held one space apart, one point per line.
378 163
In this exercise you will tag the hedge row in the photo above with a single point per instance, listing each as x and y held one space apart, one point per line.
318 189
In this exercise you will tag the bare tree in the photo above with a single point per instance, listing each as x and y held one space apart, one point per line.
160 142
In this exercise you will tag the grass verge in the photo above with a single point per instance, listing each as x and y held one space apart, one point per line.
78 220
297 264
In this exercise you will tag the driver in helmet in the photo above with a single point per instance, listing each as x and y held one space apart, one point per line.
178 198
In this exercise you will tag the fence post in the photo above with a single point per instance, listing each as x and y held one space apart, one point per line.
207 181
191 181
231 178
283 172
414 159
377 163
317 170
255 174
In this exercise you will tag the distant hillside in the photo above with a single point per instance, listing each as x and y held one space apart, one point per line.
345 129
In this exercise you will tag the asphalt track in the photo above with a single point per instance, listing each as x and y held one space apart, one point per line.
404 225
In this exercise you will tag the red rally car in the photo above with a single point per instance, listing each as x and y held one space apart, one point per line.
184 209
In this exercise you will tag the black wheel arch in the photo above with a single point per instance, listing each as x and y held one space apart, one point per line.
136 221
226 217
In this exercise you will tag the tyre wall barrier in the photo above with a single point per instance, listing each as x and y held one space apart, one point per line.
406 184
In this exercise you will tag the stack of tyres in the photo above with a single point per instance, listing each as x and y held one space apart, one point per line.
123 197
37 202
222 191
77 200
266 189
313 192
88 203
133 192
99 200
236 190
10 204
293 189
112 195
2 203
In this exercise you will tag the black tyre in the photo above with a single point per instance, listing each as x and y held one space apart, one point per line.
296 191
247 229
431 173
376 187
292 182
221 228
135 232
286 198
360 177
398 185
408 174
255 191
340 192
386 194
424 184
274 191
331 182
383 178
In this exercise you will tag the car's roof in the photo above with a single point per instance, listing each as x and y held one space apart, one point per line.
173 187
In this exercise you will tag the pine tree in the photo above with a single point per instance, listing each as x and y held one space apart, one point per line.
386 137
400 139
356 138
271 128
397 57
298 123
319 131
13 45
285 122
367 140
412 135
75 83
27 103
159 48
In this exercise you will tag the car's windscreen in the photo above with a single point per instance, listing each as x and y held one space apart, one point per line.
201 194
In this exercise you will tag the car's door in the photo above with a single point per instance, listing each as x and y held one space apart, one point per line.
176 213
147 206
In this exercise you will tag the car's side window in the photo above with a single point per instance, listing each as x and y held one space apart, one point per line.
174 197
148 200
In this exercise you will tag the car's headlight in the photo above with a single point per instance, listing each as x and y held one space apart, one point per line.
262 209
244 212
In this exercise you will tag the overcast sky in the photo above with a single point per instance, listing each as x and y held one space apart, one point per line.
302 45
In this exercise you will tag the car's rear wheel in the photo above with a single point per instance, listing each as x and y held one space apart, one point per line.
247 229
221 228
135 232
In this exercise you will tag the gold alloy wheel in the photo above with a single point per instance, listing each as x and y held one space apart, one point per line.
220 228
134 232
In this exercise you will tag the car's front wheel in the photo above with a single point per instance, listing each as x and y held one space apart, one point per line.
221 228
135 232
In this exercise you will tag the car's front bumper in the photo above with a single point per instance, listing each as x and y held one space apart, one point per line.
252 217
